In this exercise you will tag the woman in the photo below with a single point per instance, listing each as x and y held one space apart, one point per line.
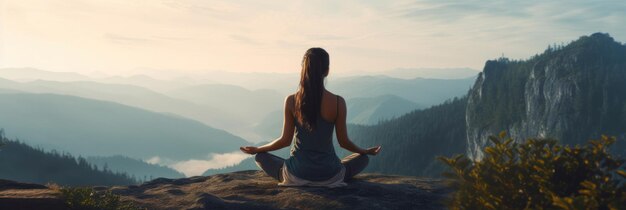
312 113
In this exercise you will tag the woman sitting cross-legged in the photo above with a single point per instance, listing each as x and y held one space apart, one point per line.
312 113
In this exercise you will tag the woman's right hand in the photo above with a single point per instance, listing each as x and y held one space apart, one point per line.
373 150
249 150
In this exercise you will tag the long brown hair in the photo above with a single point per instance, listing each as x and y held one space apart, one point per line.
309 96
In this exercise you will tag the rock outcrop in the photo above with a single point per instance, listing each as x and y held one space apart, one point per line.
15 195
250 190
255 190
572 93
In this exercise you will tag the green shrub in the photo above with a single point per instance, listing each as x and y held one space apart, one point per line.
538 174
86 198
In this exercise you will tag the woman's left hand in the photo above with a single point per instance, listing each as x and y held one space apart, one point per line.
373 150
249 150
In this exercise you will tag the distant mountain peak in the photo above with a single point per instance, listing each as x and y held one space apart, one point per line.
595 42
602 37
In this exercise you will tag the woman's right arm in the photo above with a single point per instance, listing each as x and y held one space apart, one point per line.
342 132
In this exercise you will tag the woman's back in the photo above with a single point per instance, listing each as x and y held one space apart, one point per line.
311 115
329 109
312 154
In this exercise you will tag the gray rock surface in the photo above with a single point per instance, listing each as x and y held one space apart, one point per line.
248 190
255 190
16 196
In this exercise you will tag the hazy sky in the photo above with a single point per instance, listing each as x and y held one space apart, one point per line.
128 36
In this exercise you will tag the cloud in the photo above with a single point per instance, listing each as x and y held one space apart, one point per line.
271 35
516 28
195 167
215 10
245 39
171 38
154 160
120 39
573 12
328 37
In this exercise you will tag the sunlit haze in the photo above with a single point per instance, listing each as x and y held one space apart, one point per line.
185 83
124 37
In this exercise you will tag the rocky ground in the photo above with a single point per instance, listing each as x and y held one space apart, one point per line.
15 195
252 190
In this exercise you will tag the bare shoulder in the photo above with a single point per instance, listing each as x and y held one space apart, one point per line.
338 98
333 94
290 98
290 101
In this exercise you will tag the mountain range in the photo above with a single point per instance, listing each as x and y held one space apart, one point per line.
571 93
371 99
73 115
100 128
371 110
423 91
248 113
130 95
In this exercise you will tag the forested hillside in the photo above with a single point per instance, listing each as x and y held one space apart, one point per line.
371 110
411 143
21 162
134 167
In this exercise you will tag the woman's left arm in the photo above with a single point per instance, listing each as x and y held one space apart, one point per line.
287 135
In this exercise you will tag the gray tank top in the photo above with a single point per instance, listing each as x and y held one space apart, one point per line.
312 155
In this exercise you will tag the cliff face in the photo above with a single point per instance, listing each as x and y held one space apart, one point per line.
572 93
